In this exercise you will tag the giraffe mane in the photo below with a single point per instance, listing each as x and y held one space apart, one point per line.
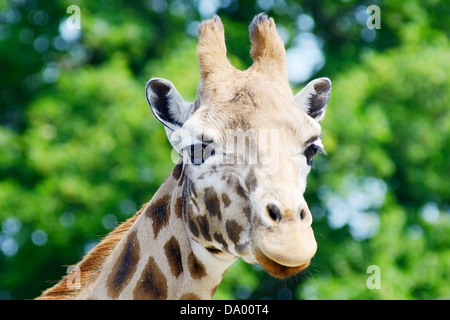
91 262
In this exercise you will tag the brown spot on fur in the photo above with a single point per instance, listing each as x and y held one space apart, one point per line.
196 268
219 238
226 200
204 227
212 202
177 170
191 188
241 191
159 212
233 182
190 296
152 285
248 213
192 226
250 181
189 193
178 207
233 230
125 266
173 254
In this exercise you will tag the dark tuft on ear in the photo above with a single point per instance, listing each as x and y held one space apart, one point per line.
159 97
314 97
160 91
318 100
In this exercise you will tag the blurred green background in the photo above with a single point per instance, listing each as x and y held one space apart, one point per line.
80 151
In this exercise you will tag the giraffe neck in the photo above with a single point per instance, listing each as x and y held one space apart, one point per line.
156 258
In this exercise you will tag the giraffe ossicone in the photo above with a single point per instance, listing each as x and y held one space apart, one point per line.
246 146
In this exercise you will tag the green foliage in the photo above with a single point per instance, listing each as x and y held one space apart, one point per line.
80 150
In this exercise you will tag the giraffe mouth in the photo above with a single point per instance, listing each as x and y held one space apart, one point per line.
276 269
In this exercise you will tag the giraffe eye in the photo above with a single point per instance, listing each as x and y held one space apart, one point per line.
198 153
309 154
311 151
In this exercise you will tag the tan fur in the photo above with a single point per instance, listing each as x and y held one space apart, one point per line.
211 50
216 72
267 49
91 262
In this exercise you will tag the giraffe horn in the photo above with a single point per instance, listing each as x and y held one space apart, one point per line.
211 49
267 49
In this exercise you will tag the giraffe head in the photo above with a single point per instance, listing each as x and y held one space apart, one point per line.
247 145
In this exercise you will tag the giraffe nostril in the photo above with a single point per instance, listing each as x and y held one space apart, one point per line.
302 214
274 212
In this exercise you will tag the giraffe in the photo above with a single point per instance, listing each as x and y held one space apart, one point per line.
222 200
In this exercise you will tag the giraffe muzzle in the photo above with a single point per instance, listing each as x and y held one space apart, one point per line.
284 248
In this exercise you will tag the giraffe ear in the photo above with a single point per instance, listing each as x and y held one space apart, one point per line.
314 97
166 103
